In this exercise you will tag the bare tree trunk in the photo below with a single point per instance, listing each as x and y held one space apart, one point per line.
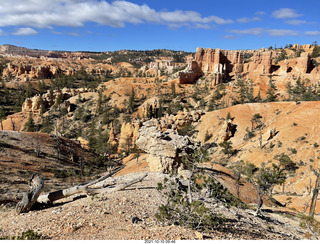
189 184
57 195
315 194
260 139
38 145
118 188
260 201
13 124
29 198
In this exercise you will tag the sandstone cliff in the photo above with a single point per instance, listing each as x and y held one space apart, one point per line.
257 65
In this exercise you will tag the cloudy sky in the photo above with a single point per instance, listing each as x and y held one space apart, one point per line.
103 25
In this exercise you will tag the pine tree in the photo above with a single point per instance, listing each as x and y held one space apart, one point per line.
256 119
271 92
131 102
30 125
227 148
228 116
173 89
315 52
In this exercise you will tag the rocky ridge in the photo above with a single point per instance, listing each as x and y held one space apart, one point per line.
219 65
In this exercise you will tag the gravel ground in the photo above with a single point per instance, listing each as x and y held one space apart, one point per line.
129 214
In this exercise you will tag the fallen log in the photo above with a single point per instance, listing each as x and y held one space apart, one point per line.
57 195
82 188
29 198
36 186
118 188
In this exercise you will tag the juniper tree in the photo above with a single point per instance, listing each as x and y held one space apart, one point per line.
265 178
256 120
184 204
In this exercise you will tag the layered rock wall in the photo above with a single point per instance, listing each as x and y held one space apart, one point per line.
219 65
261 64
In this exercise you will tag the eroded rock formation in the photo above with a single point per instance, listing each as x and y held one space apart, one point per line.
128 135
190 74
36 103
228 129
165 149
219 65
261 64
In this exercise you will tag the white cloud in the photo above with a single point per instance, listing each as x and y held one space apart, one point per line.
260 31
312 33
220 21
260 13
253 31
282 32
230 37
247 20
285 13
73 33
25 32
75 13
296 22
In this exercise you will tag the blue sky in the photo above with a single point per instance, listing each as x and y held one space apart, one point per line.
105 25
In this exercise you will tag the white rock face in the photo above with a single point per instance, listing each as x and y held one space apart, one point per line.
165 149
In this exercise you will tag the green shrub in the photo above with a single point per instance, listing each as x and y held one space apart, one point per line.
207 136
27 235
180 211
61 174
187 130
293 150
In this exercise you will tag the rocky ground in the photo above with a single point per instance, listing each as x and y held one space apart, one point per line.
129 214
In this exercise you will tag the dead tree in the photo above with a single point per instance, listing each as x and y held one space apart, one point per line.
72 151
36 185
38 145
84 188
58 146
29 198
13 124
315 193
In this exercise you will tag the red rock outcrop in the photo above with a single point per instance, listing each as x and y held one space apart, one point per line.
190 74
220 64
128 135
48 99
299 65
261 64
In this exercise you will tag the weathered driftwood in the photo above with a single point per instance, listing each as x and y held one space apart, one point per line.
119 187
29 198
57 195
82 188
315 193
36 185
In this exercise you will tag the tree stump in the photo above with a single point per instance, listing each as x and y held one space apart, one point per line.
29 198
